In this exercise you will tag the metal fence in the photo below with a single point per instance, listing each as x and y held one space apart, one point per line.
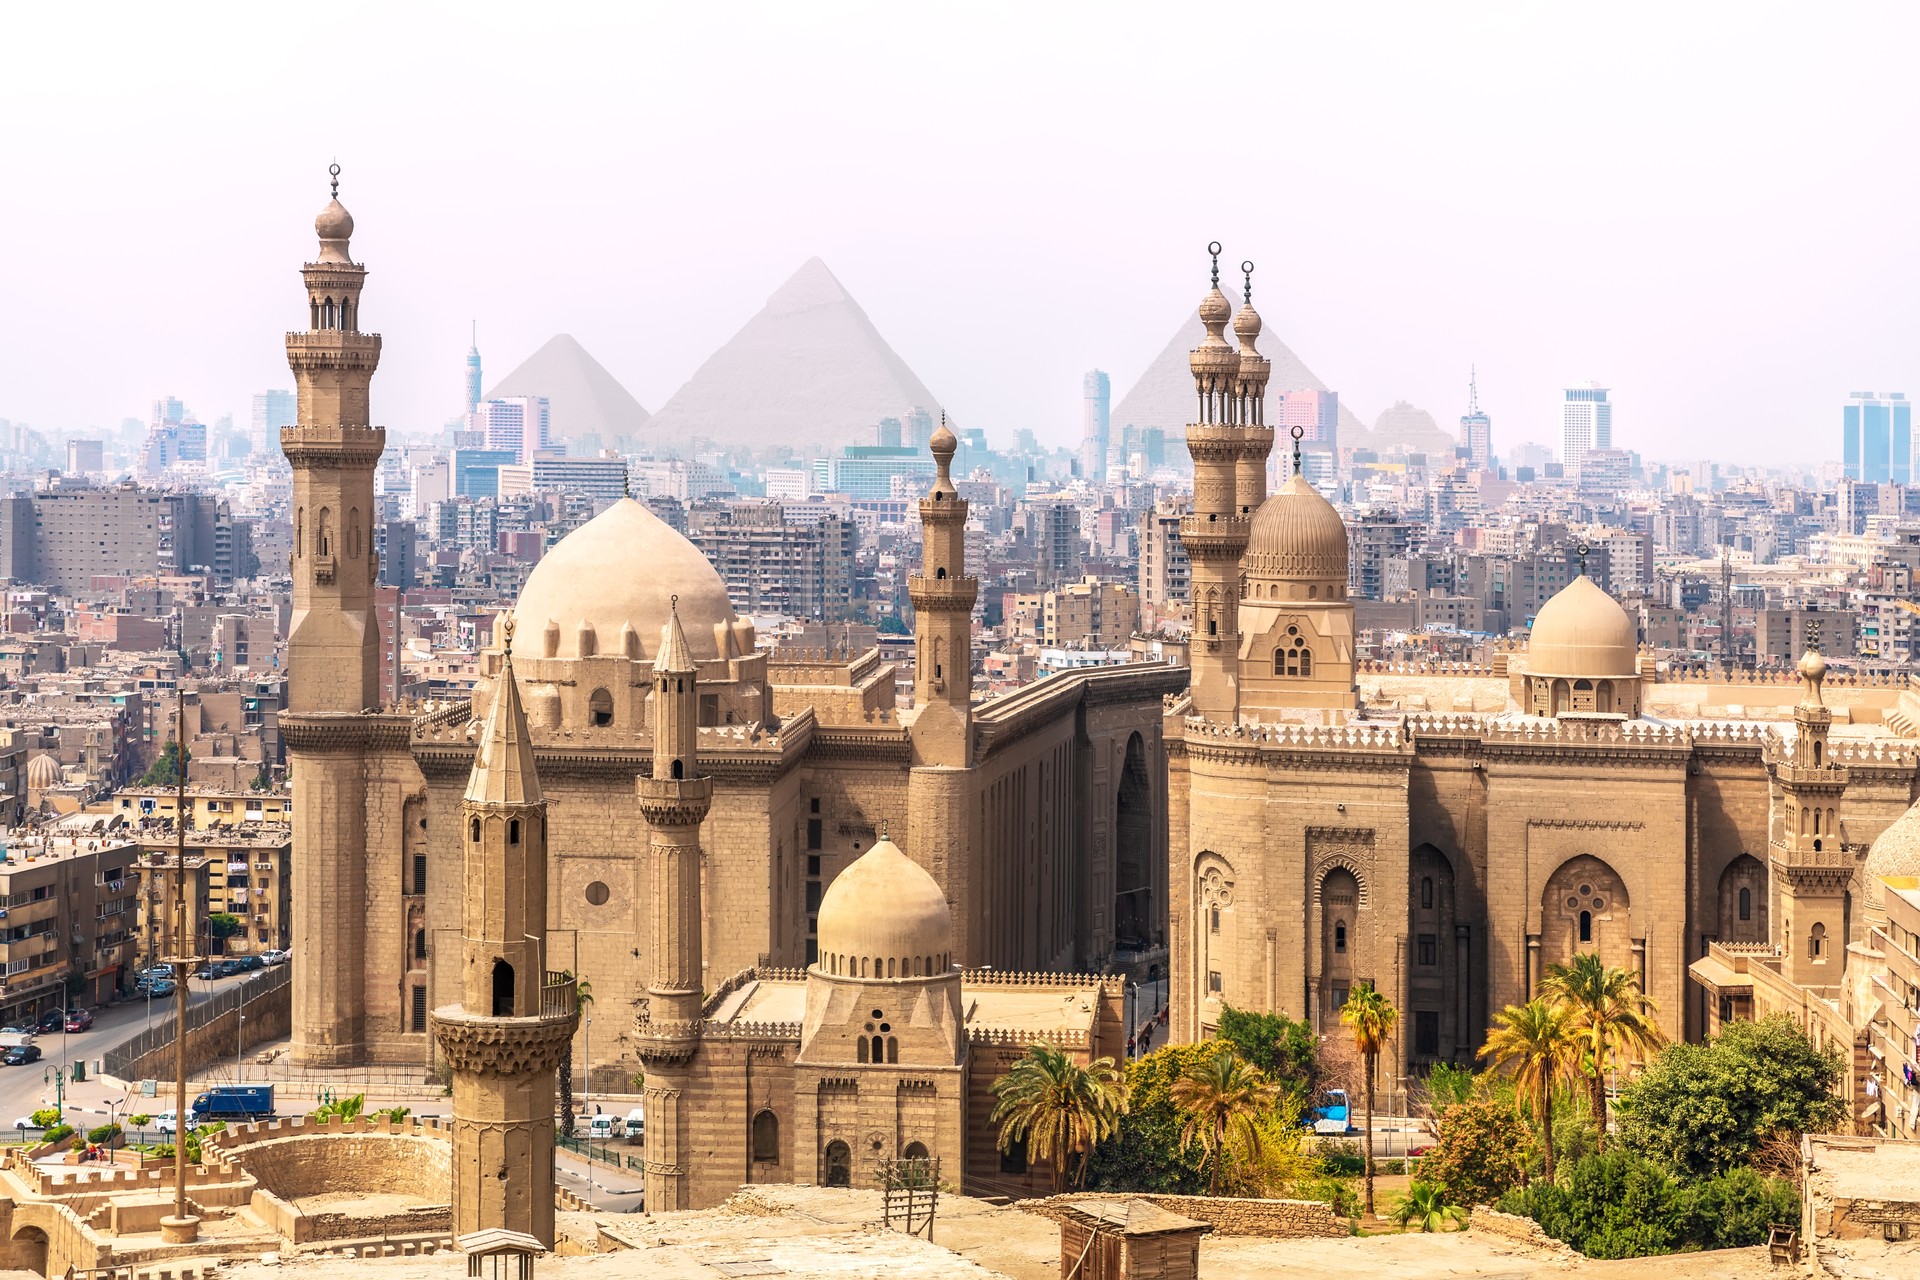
118 1060
603 1151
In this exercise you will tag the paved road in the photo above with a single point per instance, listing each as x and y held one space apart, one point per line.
24 1090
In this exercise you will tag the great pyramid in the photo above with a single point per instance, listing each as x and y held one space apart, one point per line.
809 369
584 398
1164 395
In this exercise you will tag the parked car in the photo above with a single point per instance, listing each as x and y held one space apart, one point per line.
164 1122
158 971
205 971
234 1102
637 1124
250 963
53 1020
160 990
605 1128
21 1054
227 968
275 957
79 1019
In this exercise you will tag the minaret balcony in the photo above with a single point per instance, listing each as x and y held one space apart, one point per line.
942 594
675 802
1214 537
511 1046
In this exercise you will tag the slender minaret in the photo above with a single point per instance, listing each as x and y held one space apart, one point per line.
1215 534
333 646
507 1036
1812 865
675 801
943 597
1256 437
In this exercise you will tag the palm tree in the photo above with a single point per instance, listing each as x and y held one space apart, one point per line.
1425 1205
1368 1015
1058 1107
582 999
1535 1041
1223 1099
1609 1015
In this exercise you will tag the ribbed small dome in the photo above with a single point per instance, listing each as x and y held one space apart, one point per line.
1897 851
43 771
1297 534
885 907
1583 633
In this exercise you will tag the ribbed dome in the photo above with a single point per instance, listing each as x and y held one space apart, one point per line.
1583 633
43 771
618 573
1297 534
885 907
1896 852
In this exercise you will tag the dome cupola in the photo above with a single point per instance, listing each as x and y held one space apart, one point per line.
885 917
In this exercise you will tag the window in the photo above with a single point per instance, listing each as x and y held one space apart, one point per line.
813 841
1817 943
1746 904
513 831
1340 936
1213 919
1426 891
1213 981
839 1164
893 1049
473 831
419 944
600 708
1426 1033
1429 950
915 1151
813 865
1586 926
419 873
502 989
420 1008
766 1138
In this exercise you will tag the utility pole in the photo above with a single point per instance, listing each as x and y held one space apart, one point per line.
182 1227
1726 609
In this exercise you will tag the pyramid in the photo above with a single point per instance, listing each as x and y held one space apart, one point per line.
1164 396
584 398
809 369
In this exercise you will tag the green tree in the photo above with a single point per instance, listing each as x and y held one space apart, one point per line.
1427 1205
1611 1018
1480 1153
1448 1085
1221 1101
1057 1107
1370 1018
223 924
165 769
1534 1041
1701 1109
1145 1154
1285 1051
1619 1205
582 1001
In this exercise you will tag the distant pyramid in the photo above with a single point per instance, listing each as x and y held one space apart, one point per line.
1409 427
809 369
584 398
1164 396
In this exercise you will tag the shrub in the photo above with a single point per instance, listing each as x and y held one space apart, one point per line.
1481 1152
45 1117
1145 1153
1285 1051
140 1120
1619 1205
104 1133
1337 1192
56 1133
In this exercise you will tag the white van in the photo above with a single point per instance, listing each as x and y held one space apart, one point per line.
603 1128
637 1124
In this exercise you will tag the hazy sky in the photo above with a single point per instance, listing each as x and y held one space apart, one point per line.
1709 208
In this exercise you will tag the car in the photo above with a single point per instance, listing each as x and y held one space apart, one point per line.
25 1122
227 968
53 1020
604 1128
205 971
158 971
164 1122
161 990
276 957
79 1019
21 1054
250 963
15 1031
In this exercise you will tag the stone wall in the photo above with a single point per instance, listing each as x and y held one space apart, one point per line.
269 1017
1512 1226
319 1163
1275 1219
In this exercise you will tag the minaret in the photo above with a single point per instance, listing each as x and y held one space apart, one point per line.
1215 534
333 645
675 801
507 1036
1812 865
943 597
1256 437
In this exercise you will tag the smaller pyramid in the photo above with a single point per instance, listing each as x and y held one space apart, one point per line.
809 369
584 398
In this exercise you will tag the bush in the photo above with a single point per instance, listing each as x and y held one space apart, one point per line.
56 1133
1337 1192
1619 1205
104 1133
1286 1052
1145 1153
1341 1157
45 1117
140 1121
1481 1152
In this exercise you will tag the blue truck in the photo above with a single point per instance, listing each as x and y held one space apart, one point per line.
234 1103
1334 1115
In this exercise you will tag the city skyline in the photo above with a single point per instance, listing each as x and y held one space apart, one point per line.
1444 243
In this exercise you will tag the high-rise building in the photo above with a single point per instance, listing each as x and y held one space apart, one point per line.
473 370
86 455
272 410
1476 429
1586 422
520 424
1876 437
1096 395
1317 413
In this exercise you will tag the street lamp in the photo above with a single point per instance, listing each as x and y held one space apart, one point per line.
239 1048
58 1079
586 1096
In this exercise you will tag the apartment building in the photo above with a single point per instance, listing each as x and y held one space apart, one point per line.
207 807
1089 613
68 919
237 887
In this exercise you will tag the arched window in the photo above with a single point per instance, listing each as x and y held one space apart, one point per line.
513 831
1306 662
1586 926
766 1137
1746 904
1426 891
1340 936
915 1151
941 572
474 830
600 708
326 314
893 1049
890 966
1313 593
860 1050
1816 822
326 531
300 533
419 944
879 1049
353 533
1816 753
839 1164
678 769
863 966
1817 943
502 989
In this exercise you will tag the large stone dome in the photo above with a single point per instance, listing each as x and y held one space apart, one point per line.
1583 633
1897 851
1297 534
885 908
608 587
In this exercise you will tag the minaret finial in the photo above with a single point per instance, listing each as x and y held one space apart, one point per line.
1580 549
333 170
883 830
1247 268
1297 432
673 602
506 630
1213 249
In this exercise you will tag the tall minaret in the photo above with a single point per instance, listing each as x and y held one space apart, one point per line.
508 1034
675 801
1215 534
943 597
1811 864
1256 437
333 646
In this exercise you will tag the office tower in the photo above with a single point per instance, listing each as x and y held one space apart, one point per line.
272 410
1096 395
86 455
1476 428
1586 422
167 409
886 433
473 370
520 425
918 424
1315 412
1876 435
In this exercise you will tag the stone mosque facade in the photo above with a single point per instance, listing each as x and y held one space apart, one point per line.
1448 834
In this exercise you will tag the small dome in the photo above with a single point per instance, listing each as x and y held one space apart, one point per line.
622 569
1215 310
334 222
1896 852
1297 534
1583 633
1246 327
43 771
886 907
1813 667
